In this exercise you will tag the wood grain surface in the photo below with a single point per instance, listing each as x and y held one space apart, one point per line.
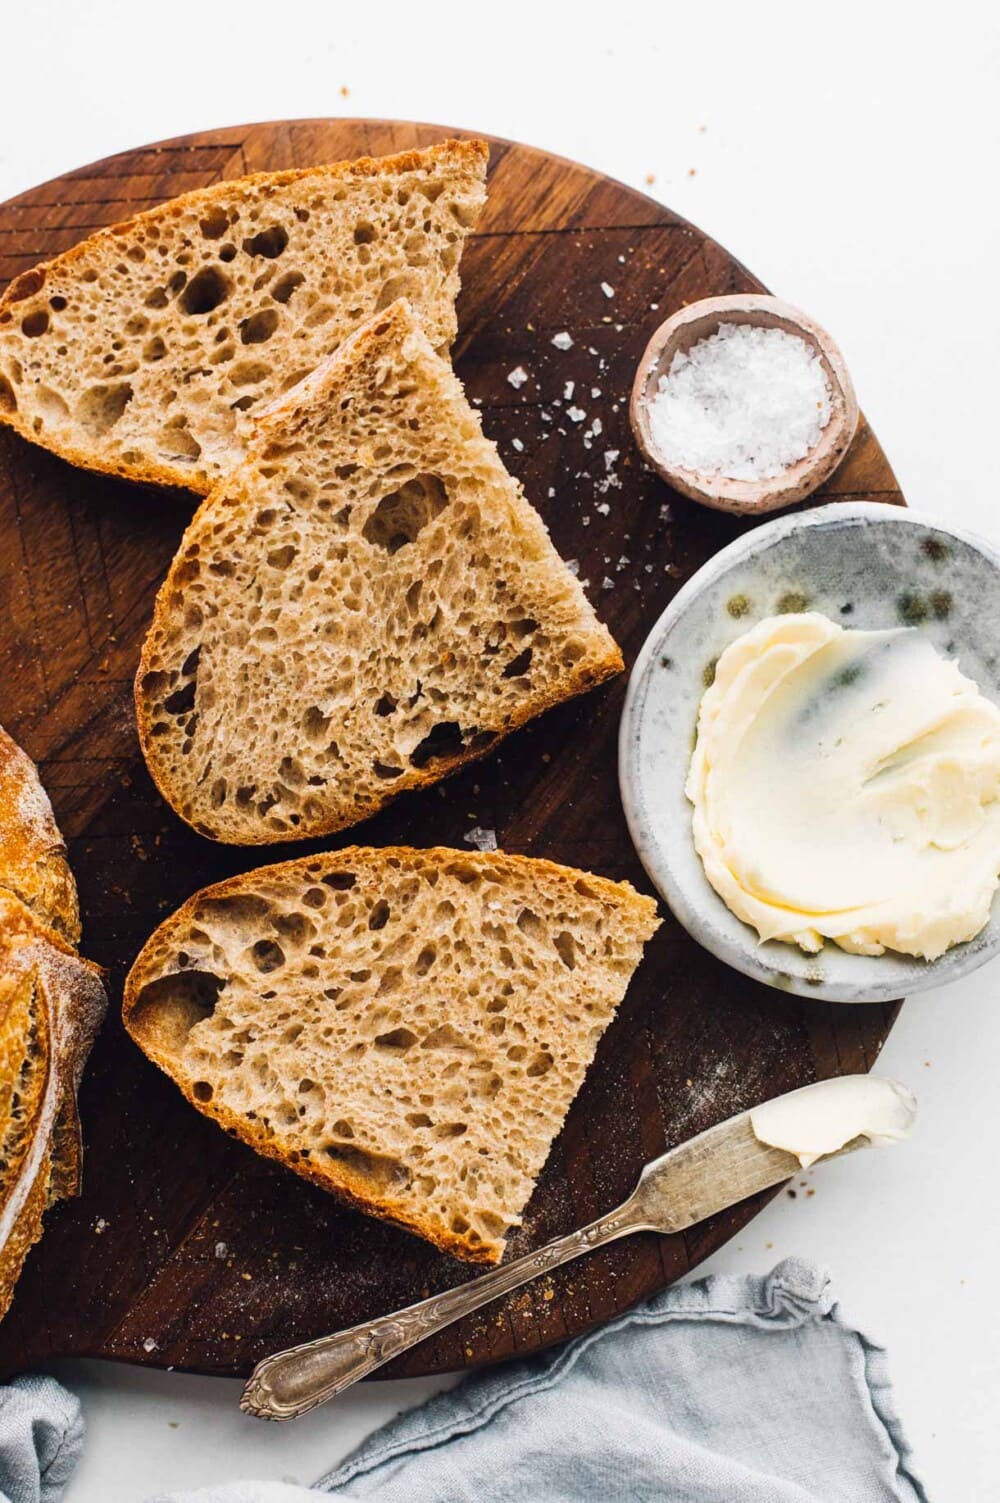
185 1248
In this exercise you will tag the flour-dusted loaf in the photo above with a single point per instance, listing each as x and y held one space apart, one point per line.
143 350
51 1004
405 1028
366 603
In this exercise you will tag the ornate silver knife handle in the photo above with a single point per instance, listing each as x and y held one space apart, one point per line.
292 1382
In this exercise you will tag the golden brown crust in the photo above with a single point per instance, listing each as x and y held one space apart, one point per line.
51 1003
153 1038
279 418
33 861
474 153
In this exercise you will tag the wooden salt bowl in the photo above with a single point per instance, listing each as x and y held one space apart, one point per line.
749 497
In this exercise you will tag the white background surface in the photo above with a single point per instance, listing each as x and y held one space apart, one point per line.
848 156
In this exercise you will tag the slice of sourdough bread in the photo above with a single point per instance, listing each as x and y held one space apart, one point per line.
143 350
405 1028
364 605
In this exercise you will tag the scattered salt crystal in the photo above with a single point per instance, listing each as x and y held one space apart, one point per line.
552 491
573 565
575 414
607 289
563 341
622 260
596 427
654 306
595 392
517 376
100 1226
221 1251
517 444
666 515
622 563
745 403
568 389
546 417
607 584
483 840
592 351
603 508
149 1345
610 456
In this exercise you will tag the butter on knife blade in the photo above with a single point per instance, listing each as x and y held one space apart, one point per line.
821 1119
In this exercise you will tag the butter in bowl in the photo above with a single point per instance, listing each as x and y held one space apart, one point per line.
810 753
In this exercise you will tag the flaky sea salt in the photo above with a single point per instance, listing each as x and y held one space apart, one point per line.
575 414
745 403
607 289
517 376
563 341
483 840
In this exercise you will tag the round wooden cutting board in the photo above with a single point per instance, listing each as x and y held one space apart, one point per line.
186 1249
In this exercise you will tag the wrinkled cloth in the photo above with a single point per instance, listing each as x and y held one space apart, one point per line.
41 1437
725 1390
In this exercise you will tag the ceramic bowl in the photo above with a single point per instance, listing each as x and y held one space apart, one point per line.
697 321
863 565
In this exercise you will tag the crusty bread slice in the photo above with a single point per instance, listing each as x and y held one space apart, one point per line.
51 1004
405 1028
33 862
142 351
364 605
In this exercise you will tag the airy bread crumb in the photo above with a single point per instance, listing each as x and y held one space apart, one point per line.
405 1028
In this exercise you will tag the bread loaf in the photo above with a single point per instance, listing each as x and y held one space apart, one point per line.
51 1004
144 350
365 604
405 1028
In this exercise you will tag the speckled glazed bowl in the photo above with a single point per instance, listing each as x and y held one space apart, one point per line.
863 565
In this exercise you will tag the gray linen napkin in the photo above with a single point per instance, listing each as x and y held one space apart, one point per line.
727 1390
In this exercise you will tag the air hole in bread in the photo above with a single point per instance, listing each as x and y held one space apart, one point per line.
385 705
401 516
280 558
530 924
205 291
168 1008
541 1064
26 285
154 349
446 1038
268 243
8 401
235 910
227 253
35 323
101 406
398 1039
444 740
381 1172
215 224
379 916
202 1090
340 881
51 405
181 701
386 770
425 960
314 897
259 326
286 285
566 949
519 665
267 956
